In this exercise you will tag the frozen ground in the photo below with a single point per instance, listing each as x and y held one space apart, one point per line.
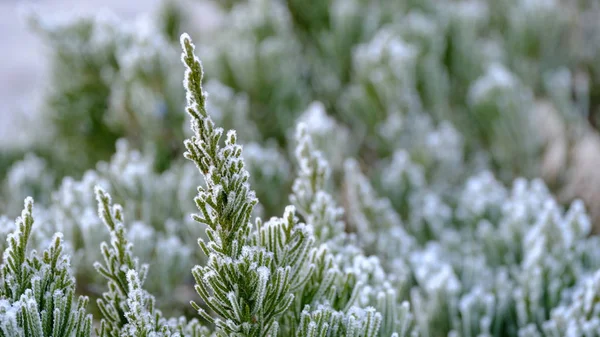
22 65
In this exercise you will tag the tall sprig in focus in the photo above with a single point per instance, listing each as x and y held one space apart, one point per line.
227 201
247 281
253 276
37 292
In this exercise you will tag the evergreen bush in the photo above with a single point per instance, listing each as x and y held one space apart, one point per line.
368 169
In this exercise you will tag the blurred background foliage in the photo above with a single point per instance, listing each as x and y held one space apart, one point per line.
419 91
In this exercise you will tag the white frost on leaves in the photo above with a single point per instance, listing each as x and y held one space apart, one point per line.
446 144
28 177
8 317
386 52
6 227
328 136
580 316
313 171
402 174
495 80
432 273
482 193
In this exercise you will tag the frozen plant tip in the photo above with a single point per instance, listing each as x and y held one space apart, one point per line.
253 275
127 308
37 292
241 283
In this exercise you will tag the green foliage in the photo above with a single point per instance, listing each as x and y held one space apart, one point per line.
37 293
257 279
247 285
127 309
102 92
408 115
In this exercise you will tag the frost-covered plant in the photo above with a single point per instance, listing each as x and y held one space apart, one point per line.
37 292
259 33
28 177
376 64
110 79
242 283
127 309
254 275
415 235
580 316
157 203
344 54
329 137
268 59
499 102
